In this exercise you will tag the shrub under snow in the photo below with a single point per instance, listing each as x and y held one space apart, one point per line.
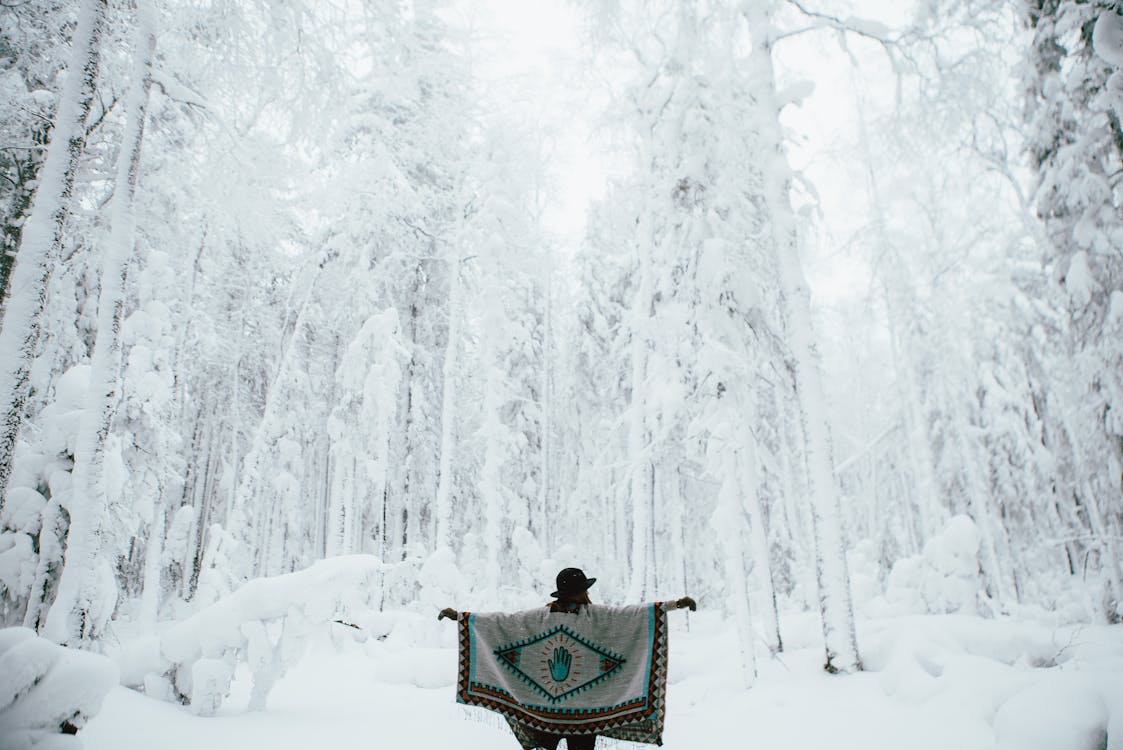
944 577
47 692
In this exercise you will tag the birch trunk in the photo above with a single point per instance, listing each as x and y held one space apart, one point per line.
76 615
833 577
42 238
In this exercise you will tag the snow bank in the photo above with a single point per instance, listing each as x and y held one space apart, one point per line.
933 682
47 692
265 624
1064 712
1036 687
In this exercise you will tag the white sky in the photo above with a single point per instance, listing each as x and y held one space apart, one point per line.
531 49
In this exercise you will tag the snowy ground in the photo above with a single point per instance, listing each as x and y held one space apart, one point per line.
931 682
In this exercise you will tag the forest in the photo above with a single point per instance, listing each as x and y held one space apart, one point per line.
296 327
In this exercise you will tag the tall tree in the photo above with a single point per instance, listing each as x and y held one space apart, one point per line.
75 615
1076 147
43 233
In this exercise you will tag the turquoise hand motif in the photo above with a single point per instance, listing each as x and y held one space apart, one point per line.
559 665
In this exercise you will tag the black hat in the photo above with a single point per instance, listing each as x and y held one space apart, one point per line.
572 581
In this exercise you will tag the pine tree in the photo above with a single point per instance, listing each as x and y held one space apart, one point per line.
1076 147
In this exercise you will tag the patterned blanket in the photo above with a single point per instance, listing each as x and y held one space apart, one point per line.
602 670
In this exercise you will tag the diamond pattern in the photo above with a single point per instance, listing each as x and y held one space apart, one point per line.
558 663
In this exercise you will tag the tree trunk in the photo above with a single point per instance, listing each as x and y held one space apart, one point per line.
448 406
74 617
758 536
980 510
729 527
491 489
832 574
42 239
153 568
639 460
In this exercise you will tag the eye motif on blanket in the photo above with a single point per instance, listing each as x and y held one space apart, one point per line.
559 663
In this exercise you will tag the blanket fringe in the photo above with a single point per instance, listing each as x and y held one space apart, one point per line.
486 718
495 721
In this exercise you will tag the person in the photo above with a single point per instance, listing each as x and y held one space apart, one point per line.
571 597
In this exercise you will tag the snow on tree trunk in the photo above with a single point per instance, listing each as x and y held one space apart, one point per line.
830 556
47 566
341 504
153 569
729 528
762 563
546 479
494 435
640 468
443 510
1111 547
43 234
833 577
980 511
797 521
77 614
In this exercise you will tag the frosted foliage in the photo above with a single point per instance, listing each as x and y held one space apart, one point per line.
45 689
1113 92
441 580
1107 38
22 509
17 563
1078 280
944 578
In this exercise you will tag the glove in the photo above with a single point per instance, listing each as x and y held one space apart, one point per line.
448 612
686 601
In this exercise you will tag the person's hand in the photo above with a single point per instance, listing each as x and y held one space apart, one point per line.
448 612
686 601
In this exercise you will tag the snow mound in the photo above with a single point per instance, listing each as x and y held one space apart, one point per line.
47 692
1066 712
1036 687
263 624
944 577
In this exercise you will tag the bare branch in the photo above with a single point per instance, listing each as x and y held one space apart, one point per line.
825 20
101 118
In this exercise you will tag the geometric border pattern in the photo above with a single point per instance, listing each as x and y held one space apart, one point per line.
639 720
